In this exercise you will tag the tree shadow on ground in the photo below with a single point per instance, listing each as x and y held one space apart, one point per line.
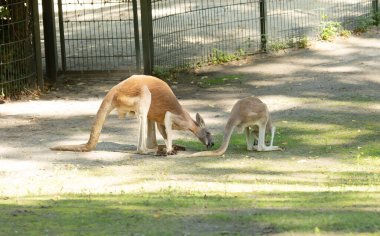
196 213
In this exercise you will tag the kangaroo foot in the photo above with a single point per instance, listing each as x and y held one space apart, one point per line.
161 150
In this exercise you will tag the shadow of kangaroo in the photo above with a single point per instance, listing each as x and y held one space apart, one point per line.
252 115
153 102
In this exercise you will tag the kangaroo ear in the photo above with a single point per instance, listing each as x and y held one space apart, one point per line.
200 120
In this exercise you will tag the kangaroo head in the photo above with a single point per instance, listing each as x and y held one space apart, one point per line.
202 132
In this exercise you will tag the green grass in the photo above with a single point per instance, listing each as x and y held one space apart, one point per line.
218 56
191 213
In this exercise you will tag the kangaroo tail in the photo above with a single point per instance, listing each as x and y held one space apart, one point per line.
230 126
105 108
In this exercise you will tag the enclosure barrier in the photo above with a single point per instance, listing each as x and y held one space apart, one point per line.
104 35
191 32
19 68
98 35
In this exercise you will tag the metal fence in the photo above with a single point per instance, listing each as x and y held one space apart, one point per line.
98 35
18 67
104 35
187 32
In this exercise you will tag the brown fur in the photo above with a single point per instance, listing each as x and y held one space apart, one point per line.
249 114
130 97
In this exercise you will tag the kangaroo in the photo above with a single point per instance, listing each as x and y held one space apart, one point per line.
153 102
252 115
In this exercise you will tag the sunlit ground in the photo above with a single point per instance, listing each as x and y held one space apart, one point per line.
326 108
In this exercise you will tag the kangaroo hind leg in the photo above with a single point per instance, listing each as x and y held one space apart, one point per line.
250 139
142 115
168 128
169 148
151 139
261 142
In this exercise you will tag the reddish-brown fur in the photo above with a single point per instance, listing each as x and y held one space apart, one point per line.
127 97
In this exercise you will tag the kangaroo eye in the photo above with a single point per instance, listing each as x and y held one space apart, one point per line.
208 133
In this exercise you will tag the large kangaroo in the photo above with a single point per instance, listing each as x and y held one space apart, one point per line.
152 101
252 115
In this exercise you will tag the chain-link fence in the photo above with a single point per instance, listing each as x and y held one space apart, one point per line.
18 69
187 32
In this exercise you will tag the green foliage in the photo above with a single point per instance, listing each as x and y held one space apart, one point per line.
304 42
4 13
330 29
345 33
162 73
363 23
276 46
217 56
376 18
169 74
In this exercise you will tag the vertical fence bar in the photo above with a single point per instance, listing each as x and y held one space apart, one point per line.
62 35
50 40
37 45
137 33
263 22
147 35
375 6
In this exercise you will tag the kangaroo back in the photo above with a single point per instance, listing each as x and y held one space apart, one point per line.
163 98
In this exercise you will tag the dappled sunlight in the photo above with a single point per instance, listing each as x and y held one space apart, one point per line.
323 101
18 166
51 109
6 150
350 81
278 103
105 172
199 39
326 134
267 69
340 69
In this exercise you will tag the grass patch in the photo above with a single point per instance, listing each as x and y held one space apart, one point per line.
276 46
171 212
218 56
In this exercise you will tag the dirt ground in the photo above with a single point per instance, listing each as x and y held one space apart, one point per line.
343 69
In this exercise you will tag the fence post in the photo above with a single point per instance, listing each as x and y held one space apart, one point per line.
50 40
375 6
62 36
263 22
147 35
137 34
37 45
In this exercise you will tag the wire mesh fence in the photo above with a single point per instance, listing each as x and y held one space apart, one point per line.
186 33
103 35
191 31
17 57
98 35
290 21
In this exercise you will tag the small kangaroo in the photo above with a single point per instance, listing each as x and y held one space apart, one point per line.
152 101
252 115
